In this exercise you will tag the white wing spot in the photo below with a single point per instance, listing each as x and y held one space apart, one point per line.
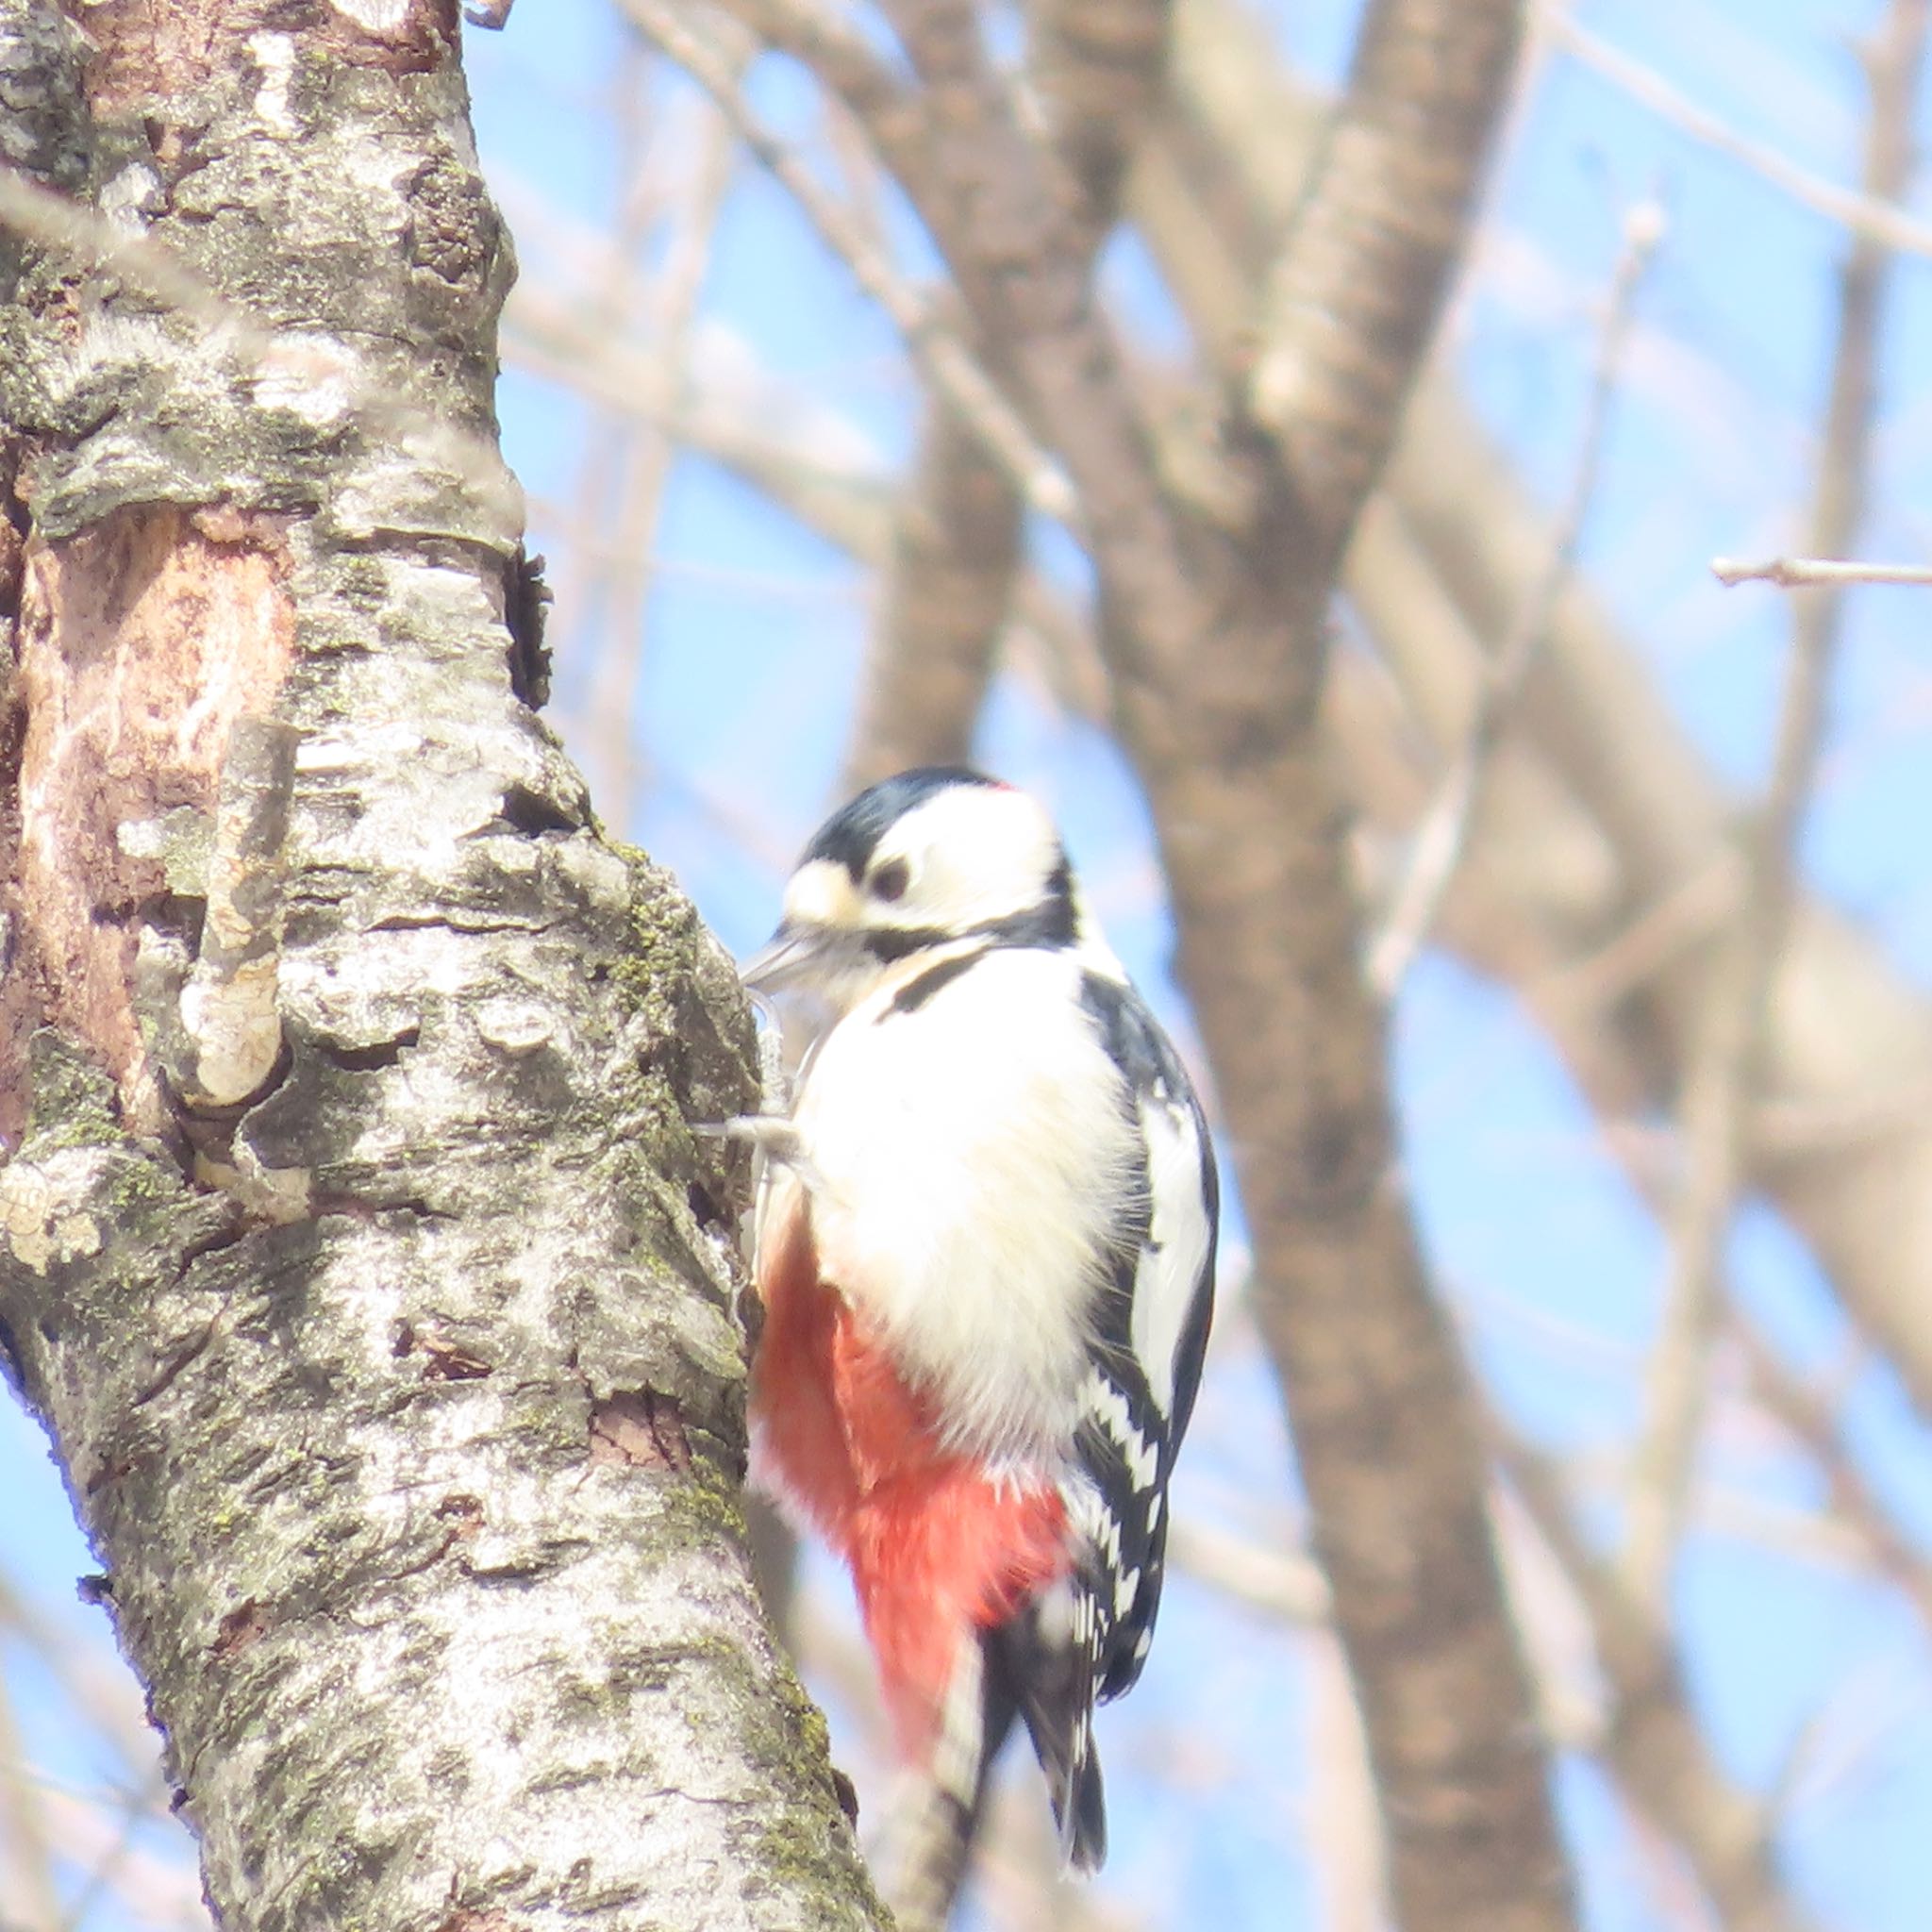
1177 1238
1109 1407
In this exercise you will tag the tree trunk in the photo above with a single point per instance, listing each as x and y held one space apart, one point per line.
356 1248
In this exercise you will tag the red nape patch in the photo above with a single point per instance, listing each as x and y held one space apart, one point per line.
936 1547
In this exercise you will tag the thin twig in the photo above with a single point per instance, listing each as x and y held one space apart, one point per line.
1726 1073
34 1905
945 358
105 1872
1279 1582
1654 1743
1870 216
645 468
611 278
1443 832
1802 573
823 39
1812 1421
1097 67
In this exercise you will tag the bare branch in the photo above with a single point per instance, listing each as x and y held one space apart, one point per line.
1444 830
948 363
1811 1420
824 41
645 458
1099 64
1872 217
1369 253
1282 1583
947 588
1725 1075
1655 1745
26 1855
1806 573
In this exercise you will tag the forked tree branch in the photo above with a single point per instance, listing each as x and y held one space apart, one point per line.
1726 1073
1099 66
1614 772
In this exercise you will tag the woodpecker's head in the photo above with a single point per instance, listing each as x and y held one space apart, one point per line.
921 860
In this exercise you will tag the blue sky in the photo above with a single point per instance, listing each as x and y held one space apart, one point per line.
752 639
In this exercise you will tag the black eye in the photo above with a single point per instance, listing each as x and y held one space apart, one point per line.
889 881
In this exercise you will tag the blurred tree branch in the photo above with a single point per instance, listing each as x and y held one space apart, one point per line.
1099 66
1723 1076
1868 216
1652 1739
1617 770
1437 847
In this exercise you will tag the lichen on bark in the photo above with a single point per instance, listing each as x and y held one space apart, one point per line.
402 1396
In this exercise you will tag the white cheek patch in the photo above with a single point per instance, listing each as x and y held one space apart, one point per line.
977 853
821 893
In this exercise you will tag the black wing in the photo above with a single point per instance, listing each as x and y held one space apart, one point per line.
1085 1638
1150 1335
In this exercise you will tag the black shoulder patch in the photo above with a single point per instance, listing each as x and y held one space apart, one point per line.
915 992
1132 1037
851 834
1050 924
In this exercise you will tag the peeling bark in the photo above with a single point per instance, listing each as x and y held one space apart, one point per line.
356 1251
116 623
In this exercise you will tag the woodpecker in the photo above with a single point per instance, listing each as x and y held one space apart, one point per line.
986 1252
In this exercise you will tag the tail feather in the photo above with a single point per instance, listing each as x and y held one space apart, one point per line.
936 1822
1033 1666
1080 1804
1039 1667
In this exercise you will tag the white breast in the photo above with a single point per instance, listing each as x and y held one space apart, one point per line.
967 1160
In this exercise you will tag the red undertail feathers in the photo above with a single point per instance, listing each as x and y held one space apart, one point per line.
938 1549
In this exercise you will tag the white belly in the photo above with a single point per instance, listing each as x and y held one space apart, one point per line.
967 1160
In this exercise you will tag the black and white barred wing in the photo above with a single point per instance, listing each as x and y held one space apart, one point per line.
1150 1336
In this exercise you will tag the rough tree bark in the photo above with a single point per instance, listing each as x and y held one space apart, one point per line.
355 1249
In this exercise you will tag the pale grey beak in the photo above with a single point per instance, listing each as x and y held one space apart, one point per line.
797 958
